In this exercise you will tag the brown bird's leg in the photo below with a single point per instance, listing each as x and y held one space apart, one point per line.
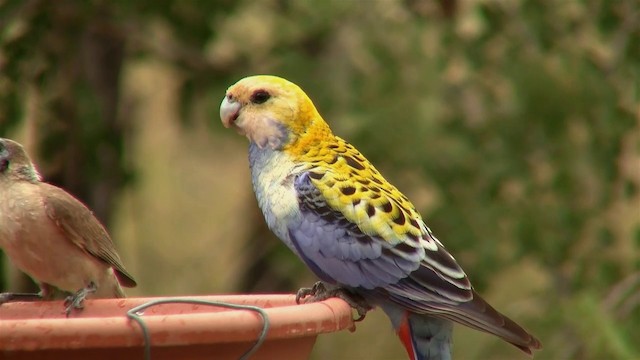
75 301
320 292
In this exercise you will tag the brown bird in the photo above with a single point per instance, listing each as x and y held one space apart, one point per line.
53 237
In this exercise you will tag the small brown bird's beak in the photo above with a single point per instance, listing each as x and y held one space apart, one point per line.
229 110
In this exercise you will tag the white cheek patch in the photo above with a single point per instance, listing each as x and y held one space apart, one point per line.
263 131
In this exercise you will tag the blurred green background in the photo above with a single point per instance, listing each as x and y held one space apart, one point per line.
512 125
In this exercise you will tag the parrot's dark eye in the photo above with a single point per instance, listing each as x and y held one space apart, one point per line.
260 96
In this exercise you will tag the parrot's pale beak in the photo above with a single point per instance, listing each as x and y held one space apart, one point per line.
229 110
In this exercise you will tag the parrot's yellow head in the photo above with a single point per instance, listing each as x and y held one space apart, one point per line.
272 112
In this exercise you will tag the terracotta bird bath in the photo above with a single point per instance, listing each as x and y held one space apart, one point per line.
174 330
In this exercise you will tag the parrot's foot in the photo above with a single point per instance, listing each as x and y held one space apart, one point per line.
320 292
75 301
11 297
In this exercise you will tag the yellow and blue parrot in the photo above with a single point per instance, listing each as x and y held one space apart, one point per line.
358 233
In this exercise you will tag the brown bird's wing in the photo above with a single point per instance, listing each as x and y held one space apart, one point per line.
70 215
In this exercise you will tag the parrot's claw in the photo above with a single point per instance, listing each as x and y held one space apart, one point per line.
10 297
317 288
319 292
76 300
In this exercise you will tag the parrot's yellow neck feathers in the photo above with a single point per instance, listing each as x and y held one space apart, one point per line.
315 133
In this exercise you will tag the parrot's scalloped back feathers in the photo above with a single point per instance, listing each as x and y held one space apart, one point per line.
331 206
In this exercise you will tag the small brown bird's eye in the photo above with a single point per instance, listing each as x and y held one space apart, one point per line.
4 165
260 96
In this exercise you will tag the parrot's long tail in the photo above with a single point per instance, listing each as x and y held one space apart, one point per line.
478 314
428 335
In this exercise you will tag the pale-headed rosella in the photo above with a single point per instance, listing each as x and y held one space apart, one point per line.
350 226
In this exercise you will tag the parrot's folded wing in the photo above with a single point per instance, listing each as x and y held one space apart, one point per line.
413 269
346 244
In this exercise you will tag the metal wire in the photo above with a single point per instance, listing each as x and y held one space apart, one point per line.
134 315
